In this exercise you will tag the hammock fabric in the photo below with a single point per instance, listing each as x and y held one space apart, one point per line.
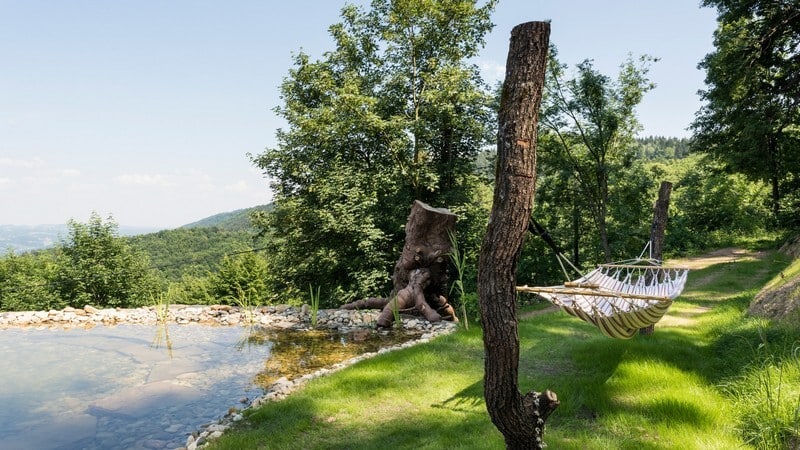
619 299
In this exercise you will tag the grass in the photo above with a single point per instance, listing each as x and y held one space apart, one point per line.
709 378
160 304
246 305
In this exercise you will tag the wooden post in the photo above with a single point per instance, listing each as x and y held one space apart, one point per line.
657 232
520 418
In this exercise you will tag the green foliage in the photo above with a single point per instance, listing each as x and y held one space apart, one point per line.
467 303
751 114
767 398
677 389
240 276
160 303
708 203
26 282
393 114
98 267
587 127
238 220
193 290
191 251
660 148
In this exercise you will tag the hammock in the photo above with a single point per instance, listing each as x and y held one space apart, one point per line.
618 298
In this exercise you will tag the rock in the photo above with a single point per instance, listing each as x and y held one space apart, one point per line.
89 309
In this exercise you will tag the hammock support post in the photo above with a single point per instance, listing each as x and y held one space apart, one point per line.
657 232
622 298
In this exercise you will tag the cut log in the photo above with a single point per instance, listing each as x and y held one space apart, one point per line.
420 275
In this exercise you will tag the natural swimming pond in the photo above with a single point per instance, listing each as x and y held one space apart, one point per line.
137 386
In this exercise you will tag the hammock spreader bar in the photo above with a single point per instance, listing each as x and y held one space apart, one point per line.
620 298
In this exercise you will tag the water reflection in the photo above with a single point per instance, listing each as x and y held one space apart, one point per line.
120 387
296 353
162 338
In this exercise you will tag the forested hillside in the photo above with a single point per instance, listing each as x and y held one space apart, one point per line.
238 220
191 251
199 247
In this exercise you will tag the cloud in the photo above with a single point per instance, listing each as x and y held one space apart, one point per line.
69 172
21 163
239 187
144 180
492 71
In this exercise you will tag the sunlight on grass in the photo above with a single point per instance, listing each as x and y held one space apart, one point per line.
692 385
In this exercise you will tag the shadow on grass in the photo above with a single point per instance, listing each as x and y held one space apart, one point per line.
465 400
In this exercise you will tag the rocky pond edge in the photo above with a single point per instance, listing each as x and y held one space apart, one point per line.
279 317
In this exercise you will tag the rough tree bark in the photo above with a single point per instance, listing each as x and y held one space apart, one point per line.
520 418
420 275
657 232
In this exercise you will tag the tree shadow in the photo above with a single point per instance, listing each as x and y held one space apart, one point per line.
465 400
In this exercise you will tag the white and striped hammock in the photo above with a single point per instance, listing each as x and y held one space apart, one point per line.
618 298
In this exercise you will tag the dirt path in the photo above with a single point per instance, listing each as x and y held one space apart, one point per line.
723 255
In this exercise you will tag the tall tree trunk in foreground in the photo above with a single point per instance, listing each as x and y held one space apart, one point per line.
657 232
521 418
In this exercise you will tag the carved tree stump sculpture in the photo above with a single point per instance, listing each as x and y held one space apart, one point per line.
420 275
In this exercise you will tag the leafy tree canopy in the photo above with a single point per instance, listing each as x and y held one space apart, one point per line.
750 121
100 268
587 129
392 114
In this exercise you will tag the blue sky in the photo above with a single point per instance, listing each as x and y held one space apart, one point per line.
145 110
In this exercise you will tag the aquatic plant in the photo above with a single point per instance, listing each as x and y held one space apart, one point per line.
459 261
161 304
314 305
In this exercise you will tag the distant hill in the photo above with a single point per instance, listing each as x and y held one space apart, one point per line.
199 247
24 238
238 220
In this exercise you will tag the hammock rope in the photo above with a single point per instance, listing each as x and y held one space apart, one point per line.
618 298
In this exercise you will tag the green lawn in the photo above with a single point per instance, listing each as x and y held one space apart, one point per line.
709 378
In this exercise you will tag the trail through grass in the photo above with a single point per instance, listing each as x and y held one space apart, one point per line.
681 388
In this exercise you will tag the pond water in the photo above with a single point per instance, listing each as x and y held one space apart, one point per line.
135 386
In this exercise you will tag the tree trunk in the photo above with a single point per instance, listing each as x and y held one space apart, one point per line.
520 418
420 275
657 232
660 216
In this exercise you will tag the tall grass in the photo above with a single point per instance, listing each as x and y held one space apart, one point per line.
767 397
314 303
160 304
246 305
459 261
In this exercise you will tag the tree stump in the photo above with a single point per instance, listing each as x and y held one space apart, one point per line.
420 275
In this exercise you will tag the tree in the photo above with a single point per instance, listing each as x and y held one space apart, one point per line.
27 281
241 277
589 124
750 120
98 267
521 418
393 114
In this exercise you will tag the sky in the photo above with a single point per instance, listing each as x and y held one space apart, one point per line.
146 111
